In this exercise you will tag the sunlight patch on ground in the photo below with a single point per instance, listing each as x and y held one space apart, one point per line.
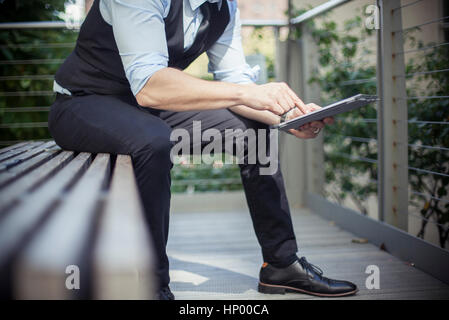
187 277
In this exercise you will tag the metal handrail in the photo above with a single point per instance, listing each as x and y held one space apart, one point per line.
310 14
39 25
264 23
77 25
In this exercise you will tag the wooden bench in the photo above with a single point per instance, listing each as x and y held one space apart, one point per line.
62 212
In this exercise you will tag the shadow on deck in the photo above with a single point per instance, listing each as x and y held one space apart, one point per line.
215 255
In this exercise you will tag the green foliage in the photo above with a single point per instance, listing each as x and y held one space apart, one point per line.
350 141
350 145
51 45
435 187
222 175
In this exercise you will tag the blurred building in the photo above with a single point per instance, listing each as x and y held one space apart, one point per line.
262 9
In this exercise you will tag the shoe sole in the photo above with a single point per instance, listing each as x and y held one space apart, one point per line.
277 289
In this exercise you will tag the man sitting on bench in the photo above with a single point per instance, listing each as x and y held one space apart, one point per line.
122 91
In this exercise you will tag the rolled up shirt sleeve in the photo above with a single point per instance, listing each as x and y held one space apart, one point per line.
139 31
226 57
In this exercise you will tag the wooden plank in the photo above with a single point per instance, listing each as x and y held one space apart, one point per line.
19 150
63 241
123 261
19 223
25 156
13 192
27 165
14 146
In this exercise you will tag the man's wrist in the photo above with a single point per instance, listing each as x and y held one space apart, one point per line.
240 95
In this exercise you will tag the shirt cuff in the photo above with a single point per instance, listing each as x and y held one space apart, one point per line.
241 75
142 67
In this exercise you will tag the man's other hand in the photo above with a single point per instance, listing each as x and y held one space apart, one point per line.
276 97
309 130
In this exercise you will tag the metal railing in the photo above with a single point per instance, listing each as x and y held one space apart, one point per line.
403 159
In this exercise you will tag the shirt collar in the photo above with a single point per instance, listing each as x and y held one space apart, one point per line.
194 4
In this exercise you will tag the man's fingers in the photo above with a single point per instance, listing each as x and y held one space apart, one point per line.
294 113
312 126
328 120
313 106
302 134
317 124
276 109
285 103
298 102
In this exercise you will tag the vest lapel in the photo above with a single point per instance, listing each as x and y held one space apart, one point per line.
211 28
174 30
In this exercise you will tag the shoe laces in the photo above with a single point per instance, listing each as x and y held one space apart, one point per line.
310 266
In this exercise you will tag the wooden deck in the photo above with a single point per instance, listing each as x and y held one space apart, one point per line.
215 255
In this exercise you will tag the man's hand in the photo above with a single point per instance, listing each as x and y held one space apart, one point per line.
309 130
276 97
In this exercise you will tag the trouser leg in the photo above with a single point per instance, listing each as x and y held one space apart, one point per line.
265 194
268 204
115 125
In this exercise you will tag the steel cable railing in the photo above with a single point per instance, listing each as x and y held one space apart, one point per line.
419 151
421 25
407 5
428 149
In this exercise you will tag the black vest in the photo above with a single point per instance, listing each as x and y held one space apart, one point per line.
95 65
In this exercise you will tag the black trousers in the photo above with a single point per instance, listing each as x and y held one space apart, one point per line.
117 125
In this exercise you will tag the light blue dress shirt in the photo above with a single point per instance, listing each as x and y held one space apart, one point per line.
139 32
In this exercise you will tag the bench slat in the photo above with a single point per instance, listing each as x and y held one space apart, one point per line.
123 252
25 156
19 150
29 164
63 240
18 223
14 146
11 194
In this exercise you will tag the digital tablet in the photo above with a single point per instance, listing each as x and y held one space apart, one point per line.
341 106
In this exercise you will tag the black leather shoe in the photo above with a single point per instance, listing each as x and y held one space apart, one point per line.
302 277
164 294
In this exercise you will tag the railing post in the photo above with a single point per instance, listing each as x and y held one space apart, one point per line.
302 161
292 150
314 164
392 119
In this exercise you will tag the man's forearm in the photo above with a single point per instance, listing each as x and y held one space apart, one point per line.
171 89
263 116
